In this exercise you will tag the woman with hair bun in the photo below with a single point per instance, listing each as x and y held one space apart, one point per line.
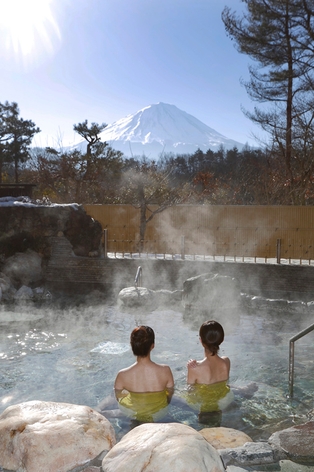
144 389
207 379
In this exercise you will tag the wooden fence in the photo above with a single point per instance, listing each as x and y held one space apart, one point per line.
215 230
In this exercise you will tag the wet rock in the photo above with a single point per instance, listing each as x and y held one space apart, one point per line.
223 438
251 453
134 297
47 436
163 447
296 441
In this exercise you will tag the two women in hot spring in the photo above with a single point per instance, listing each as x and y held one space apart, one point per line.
144 389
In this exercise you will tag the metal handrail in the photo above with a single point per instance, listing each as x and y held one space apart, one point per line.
291 355
138 277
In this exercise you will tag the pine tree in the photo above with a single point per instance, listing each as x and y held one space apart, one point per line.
16 135
278 36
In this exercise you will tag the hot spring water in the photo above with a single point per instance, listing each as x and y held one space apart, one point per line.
73 355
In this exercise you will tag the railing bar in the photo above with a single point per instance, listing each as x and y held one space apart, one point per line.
302 333
291 355
291 368
138 277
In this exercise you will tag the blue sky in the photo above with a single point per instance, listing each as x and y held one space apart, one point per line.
64 61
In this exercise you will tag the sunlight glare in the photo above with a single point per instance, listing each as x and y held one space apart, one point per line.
28 26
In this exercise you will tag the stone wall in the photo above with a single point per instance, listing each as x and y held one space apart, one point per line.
66 238
112 275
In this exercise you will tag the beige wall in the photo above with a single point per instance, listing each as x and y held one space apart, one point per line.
212 230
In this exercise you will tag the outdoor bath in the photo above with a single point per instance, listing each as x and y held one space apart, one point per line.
73 354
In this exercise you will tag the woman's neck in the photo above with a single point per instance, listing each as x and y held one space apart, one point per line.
208 354
143 360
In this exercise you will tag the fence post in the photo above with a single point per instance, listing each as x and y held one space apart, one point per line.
182 247
278 250
105 242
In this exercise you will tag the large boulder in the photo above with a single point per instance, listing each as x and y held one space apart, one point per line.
24 268
222 438
46 436
159 447
297 442
7 288
210 290
211 296
135 297
25 224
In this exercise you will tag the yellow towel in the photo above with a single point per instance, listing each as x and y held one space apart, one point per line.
146 407
206 398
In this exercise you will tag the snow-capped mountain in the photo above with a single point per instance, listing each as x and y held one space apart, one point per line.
163 128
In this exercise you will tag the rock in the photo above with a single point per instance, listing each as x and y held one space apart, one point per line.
40 293
83 232
31 225
24 293
234 468
289 466
251 453
212 296
222 438
210 290
296 441
7 289
134 297
168 298
23 268
163 447
5 282
47 436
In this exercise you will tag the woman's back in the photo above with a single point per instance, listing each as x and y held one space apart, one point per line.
210 370
145 376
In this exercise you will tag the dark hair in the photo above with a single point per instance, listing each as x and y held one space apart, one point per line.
212 335
141 340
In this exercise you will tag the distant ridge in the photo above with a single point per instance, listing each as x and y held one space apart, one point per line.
163 128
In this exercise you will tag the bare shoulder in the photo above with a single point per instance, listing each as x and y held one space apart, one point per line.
122 376
162 366
165 369
226 360
126 369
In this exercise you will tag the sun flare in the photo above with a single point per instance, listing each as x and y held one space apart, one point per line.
28 26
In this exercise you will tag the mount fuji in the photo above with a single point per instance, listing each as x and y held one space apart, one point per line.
163 128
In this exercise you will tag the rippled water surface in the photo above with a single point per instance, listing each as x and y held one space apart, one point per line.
73 355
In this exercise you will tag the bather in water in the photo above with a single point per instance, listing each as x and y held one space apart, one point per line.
208 389
144 389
